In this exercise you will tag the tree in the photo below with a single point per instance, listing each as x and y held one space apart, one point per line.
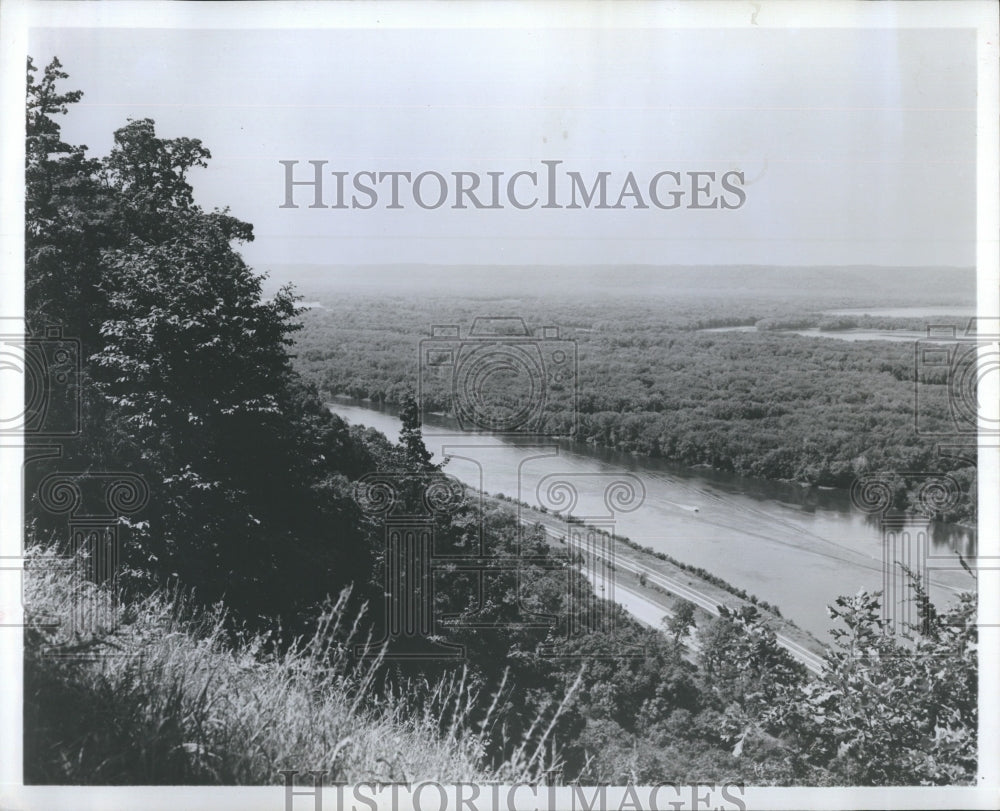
681 620
67 215
192 385
744 669
418 458
888 709
67 227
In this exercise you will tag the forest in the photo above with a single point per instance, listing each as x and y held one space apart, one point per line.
649 380
251 580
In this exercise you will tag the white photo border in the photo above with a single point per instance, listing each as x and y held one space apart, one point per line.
17 17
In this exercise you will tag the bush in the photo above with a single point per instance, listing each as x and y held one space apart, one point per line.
171 697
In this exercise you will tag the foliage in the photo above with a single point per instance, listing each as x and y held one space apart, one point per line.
411 436
893 709
68 217
187 381
681 620
743 666
766 404
171 697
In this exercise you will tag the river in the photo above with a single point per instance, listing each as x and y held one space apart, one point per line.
796 547
895 335
862 334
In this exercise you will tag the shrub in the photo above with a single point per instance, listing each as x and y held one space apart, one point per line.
170 696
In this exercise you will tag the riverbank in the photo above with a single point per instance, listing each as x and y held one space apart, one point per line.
796 548
663 581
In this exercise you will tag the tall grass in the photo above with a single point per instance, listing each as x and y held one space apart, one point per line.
168 697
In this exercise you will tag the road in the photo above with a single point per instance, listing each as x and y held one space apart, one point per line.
641 607
556 529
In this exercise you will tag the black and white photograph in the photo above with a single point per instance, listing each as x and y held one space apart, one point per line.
530 405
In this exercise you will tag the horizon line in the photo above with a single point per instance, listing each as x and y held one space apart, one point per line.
613 265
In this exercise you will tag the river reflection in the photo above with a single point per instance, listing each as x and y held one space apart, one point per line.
796 547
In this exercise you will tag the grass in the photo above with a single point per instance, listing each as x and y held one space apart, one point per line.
170 696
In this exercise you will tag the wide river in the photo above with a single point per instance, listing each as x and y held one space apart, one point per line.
796 547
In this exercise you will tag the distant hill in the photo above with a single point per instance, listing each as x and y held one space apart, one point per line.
861 285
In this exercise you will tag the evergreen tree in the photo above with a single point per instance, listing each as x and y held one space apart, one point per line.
417 457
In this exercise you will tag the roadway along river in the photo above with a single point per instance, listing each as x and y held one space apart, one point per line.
798 548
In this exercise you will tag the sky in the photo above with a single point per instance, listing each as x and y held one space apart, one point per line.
857 146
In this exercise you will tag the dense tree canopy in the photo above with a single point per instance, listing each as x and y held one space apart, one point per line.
186 375
650 380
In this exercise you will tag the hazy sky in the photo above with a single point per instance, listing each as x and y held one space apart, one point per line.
858 146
